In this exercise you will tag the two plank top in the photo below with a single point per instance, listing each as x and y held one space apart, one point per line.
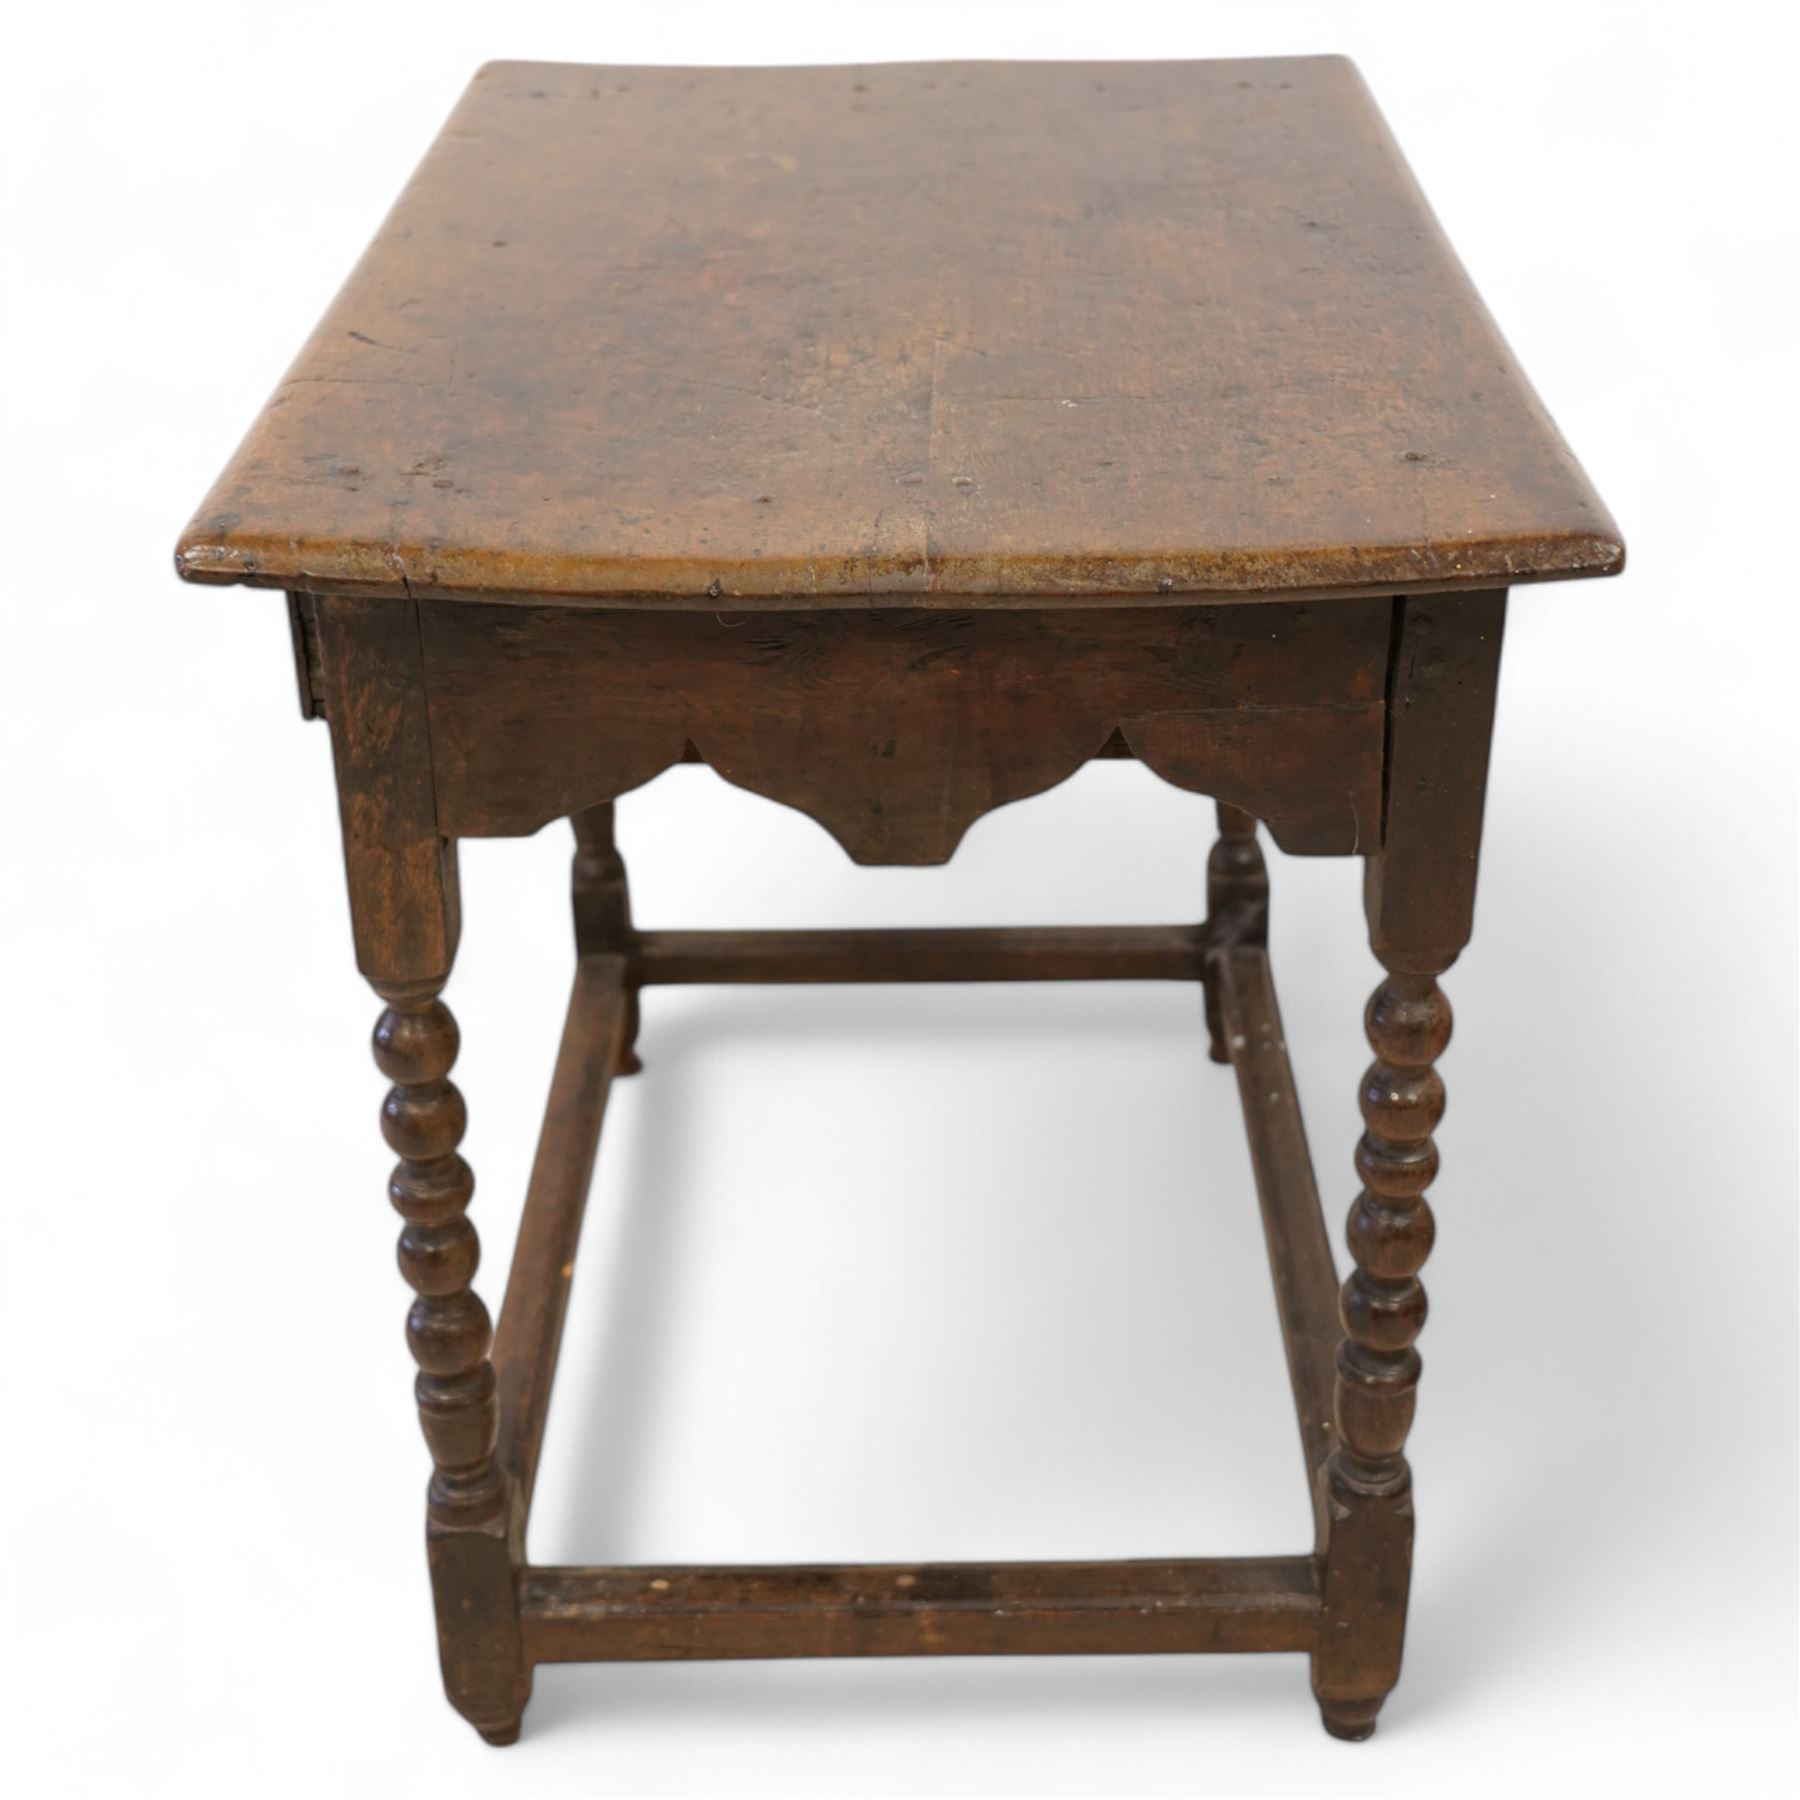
994 333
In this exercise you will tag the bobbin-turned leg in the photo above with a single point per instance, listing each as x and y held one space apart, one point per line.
1237 903
1419 895
603 912
472 1516
404 912
1383 1307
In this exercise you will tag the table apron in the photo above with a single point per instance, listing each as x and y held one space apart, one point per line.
897 729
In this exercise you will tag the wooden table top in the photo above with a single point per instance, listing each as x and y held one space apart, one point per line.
930 333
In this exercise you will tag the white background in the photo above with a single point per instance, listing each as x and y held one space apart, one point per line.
890 1274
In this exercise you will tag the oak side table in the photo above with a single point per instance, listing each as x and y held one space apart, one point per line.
895 440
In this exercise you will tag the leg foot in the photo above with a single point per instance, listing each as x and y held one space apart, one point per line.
1351 1720
501 1735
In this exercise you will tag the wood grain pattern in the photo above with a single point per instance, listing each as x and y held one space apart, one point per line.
1300 1260
1419 892
902 1609
1237 909
423 1119
1368 1482
839 336
405 909
897 440
1419 896
926 953
601 895
897 730
473 1516
529 1335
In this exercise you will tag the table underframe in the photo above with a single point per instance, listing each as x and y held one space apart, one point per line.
665 1613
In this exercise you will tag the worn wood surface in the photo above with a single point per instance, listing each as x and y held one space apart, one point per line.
1419 891
473 1513
450 719
897 730
837 335
1419 897
1300 1260
896 440
944 1609
602 900
405 910
529 1336
1237 909
926 953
